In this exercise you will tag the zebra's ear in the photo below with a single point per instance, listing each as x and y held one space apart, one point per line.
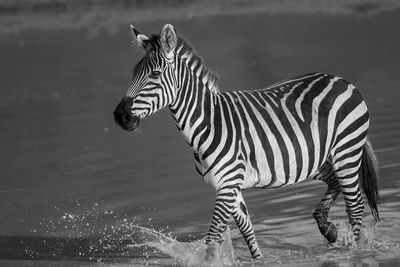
140 38
168 39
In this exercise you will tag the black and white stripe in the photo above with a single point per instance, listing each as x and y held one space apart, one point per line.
313 126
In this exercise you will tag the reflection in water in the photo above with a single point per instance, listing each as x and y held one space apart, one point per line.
74 187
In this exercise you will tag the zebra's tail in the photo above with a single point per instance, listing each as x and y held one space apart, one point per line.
368 174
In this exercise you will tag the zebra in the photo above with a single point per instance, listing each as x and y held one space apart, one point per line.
312 126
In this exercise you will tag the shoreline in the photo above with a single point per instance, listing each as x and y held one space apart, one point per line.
17 16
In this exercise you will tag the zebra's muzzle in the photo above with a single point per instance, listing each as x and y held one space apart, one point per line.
123 115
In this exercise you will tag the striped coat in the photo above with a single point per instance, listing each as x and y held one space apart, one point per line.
313 126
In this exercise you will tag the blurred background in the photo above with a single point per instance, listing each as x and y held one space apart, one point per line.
71 180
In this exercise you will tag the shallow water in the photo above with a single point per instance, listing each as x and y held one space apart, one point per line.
77 190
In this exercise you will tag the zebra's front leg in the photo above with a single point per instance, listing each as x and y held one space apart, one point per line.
223 208
242 218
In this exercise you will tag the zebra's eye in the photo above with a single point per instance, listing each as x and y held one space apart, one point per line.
155 74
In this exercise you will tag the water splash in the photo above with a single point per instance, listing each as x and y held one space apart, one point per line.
367 250
188 253
374 245
96 234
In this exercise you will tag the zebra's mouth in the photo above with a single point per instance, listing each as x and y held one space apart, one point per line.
132 124
124 117
128 123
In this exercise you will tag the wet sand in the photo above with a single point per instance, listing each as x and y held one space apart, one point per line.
71 179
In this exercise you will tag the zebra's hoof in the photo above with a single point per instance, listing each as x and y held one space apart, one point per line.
331 232
211 251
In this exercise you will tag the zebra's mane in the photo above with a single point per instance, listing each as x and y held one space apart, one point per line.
186 50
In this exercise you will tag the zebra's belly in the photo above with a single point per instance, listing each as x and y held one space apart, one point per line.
263 179
253 180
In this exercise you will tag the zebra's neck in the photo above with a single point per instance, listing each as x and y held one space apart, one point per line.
195 101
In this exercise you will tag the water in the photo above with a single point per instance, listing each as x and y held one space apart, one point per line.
77 190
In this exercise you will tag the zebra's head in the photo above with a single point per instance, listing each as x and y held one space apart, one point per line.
154 84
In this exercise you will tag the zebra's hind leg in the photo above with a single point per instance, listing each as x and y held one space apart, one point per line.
327 229
242 219
346 165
